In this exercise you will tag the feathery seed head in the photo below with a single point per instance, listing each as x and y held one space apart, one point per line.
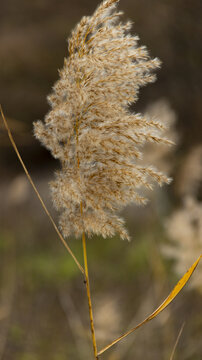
91 130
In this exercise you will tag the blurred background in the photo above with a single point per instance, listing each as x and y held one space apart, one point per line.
43 306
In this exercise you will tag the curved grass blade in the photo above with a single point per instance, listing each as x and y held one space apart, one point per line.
181 283
37 193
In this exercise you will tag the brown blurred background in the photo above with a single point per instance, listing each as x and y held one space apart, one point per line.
43 308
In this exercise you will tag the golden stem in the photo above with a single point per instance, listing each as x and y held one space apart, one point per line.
89 296
85 251
86 266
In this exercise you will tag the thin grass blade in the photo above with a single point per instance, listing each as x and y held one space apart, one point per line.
181 283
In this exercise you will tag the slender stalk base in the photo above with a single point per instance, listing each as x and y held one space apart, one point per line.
86 266
89 297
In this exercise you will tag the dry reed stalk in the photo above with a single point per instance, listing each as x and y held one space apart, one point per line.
91 130
94 135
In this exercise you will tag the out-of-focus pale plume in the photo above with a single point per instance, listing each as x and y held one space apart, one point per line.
107 317
18 192
184 228
161 155
189 176
91 130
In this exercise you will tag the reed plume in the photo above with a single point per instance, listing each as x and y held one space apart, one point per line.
91 129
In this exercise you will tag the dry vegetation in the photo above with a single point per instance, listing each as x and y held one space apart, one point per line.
42 301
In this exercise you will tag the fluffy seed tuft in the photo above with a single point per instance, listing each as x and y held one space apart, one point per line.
91 130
